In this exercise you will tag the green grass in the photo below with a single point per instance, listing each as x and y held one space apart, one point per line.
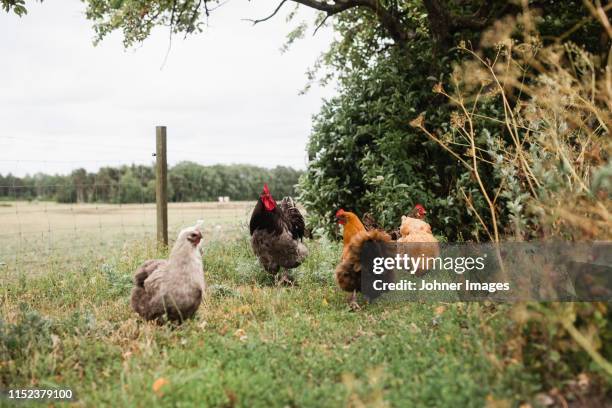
251 344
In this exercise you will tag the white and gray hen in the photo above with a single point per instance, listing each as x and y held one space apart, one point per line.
172 289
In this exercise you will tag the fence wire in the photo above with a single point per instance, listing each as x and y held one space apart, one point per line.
36 234
54 220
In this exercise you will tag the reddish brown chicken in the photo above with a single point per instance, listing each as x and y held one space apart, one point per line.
355 235
277 231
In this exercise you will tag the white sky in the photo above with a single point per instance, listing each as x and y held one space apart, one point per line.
227 95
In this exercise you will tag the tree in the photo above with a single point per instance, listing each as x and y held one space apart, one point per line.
132 190
80 180
136 18
16 6
188 181
364 156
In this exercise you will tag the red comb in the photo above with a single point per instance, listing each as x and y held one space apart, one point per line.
266 190
339 213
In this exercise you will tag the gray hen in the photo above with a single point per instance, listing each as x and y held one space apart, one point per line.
172 288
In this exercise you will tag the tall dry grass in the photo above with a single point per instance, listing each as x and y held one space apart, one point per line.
537 116
551 159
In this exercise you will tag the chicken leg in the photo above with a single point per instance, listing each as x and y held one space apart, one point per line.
284 279
353 305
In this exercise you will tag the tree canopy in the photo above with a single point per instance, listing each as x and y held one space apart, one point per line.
445 18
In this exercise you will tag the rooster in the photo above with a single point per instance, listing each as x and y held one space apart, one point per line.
355 235
276 235
171 288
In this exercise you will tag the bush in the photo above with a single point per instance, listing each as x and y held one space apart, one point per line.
365 157
546 174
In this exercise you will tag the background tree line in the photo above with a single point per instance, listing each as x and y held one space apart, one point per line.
188 181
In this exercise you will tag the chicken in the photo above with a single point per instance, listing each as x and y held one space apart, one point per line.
171 289
276 235
417 233
418 212
414 225
355 235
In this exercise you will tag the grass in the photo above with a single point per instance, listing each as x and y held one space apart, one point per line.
251 343
65 321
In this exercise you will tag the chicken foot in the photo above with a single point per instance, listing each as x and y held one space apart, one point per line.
353 305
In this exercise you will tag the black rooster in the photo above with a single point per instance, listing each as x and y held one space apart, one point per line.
276 234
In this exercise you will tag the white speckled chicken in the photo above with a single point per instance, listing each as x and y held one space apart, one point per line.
276 235
171 289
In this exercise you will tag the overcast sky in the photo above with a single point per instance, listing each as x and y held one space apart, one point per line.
227 95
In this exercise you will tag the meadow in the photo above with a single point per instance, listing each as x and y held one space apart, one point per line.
65 322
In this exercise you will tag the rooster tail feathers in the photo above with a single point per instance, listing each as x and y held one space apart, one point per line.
349 272
288 202
294 217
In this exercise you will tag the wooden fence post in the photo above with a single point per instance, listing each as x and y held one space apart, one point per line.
161 190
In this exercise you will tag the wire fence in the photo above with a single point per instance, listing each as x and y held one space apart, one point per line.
41 232
37 232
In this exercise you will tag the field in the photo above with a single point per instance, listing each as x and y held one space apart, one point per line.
31 229
69 325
